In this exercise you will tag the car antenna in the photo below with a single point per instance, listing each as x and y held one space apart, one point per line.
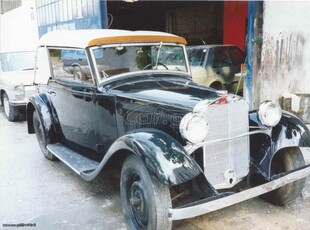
203 41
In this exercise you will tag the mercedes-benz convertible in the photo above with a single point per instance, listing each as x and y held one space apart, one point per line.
183 149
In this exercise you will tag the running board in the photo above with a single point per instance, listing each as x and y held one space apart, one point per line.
78 163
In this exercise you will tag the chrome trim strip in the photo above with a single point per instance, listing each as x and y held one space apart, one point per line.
121 76
197 210
19 103
190 148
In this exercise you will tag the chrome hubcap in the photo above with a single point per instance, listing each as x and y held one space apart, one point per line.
138 204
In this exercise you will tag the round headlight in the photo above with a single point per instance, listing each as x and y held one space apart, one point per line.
194 127
269 113
19 91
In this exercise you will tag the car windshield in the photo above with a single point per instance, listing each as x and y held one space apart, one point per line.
122 59
17 61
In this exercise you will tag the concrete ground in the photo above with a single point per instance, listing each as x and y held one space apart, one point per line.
48 194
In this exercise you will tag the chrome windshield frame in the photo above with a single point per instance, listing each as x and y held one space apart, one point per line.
102 81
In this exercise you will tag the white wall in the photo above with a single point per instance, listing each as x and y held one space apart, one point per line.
285 60
18 28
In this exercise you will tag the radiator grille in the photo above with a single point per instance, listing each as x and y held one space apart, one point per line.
226 163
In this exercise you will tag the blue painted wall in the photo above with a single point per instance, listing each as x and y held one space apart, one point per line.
248 81
70 15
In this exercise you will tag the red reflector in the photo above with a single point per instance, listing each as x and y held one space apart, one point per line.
222 100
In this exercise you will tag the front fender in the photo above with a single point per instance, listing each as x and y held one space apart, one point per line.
41 104
289 132
163 156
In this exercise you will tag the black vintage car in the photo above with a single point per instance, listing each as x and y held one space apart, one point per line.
183 148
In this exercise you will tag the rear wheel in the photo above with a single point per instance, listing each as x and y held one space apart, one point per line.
10 112
41 137
217 85
145 200
286 160
78 74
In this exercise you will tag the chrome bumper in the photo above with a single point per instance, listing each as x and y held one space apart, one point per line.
22 102
204 208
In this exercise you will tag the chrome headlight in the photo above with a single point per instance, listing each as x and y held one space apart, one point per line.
19 91
269 113
194 127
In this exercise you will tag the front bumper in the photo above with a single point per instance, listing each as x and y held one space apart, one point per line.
208 206
19 103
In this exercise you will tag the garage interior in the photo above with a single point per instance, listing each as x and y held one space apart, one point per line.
199 22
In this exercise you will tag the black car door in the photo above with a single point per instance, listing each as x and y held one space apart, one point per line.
74 103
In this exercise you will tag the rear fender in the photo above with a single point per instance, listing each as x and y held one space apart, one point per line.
206 77
41 104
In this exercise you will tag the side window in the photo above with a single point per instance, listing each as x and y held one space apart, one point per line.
237 56
70 65
221 58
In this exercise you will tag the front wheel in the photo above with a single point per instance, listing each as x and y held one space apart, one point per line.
287 160
10 112
145 200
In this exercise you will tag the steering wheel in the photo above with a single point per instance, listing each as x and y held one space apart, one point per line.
159 63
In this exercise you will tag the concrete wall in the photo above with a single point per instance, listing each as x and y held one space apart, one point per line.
284 65
18 28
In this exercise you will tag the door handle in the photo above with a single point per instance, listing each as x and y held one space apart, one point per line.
51 92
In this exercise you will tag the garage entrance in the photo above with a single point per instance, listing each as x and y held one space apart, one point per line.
198 21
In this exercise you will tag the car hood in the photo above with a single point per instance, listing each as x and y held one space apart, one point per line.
170 91
17 78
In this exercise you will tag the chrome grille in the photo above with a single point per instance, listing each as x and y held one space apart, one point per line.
227 162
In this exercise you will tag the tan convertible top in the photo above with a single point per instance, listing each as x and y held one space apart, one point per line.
86 38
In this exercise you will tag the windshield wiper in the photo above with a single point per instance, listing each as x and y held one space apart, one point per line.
158 52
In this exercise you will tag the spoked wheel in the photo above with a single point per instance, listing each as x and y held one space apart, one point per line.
9 111
41 137
144 199
287 160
